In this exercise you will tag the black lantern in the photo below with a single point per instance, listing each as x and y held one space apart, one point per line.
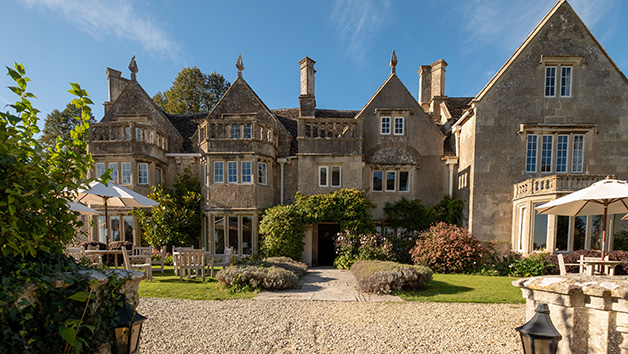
539 336
127 332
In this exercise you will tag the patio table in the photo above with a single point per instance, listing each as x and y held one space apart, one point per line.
106 253
591 264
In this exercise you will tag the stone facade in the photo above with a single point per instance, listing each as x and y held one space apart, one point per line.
552 120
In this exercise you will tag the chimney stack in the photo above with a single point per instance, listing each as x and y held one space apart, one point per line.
432 88
307 101
425 86
115 86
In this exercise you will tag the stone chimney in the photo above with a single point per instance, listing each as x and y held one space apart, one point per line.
307 101
115 86
432 88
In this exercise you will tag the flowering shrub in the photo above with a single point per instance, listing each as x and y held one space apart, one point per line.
351 248
386 277
448 249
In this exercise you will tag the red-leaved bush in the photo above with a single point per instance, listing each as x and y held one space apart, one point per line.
448 249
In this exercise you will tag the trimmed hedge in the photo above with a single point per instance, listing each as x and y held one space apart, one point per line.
386 277
275 273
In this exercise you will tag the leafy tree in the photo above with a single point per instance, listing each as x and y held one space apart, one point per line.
61 123
176 221
192 92
36 182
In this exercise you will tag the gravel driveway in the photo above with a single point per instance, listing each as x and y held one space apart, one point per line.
288 326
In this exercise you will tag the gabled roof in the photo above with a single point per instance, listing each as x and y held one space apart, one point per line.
187 124
559 5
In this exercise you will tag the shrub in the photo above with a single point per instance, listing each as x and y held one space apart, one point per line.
273 273
534 265
499 265
448 249
282 232
620 240
351 248
386 277
621 269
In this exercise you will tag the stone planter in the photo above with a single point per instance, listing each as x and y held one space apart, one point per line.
590 312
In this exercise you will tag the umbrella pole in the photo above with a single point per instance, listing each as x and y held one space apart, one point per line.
604 232
106 224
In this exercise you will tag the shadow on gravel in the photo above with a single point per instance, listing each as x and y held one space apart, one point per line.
440 288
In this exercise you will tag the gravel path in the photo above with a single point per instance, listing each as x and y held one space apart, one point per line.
285 326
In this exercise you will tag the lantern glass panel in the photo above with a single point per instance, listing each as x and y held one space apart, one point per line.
122 338
527 344
542 345
135 337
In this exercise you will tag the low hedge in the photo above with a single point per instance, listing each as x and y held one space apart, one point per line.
274 273
386 277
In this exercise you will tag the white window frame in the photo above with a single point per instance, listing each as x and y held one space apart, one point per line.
373 180
577 161
562 148
547 152
532 150
230 177
565 80
125 172
142 179
100 169
322 183
246 177
551 72
113 166
394 173
331 176
385 125
401 130
262 173
235 131
138 134
219 172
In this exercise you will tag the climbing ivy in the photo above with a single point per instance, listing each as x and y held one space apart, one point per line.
282 226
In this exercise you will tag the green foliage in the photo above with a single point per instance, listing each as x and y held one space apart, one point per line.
448 249
176 221
271 274
192 92
282 226
351 248
36 182
54 320
415 218
533 266
620 242
61 124
386 277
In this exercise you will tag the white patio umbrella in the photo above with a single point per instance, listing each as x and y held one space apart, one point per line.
82 209
112 195
609 196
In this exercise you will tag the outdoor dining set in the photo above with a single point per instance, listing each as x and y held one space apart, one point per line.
187 262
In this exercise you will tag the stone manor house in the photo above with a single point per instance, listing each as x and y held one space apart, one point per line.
552 120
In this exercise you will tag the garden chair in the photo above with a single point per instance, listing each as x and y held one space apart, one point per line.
189 260
139 254
175 257
226 261
162 258
145 266
563 266
95 259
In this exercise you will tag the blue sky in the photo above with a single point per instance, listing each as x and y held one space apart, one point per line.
61 41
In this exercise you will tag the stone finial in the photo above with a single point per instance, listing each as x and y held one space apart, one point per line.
240 65
133 68
393 62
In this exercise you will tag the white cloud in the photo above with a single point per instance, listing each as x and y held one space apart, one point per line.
116 18
358 22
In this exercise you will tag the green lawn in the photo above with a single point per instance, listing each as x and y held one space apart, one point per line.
166 285
467 288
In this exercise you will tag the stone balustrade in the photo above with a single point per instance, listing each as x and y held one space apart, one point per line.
332 128
229 130
103 132
554 184
590 312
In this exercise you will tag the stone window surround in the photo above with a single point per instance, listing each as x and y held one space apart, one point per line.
397 171
392 114
329 179
557 130
140 179
560 61
216 217
262 178
222 164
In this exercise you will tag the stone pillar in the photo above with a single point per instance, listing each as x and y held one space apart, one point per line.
590 312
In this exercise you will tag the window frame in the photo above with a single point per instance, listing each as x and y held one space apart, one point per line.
114 171
550 81
322 183
403 124
124 181
579 158
562 80
231 178
383 125
407 172
547 153
139 136
139 173
262 173
100 169
381 189
331 176
219 178
243 175
562 161
394 179
532 153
